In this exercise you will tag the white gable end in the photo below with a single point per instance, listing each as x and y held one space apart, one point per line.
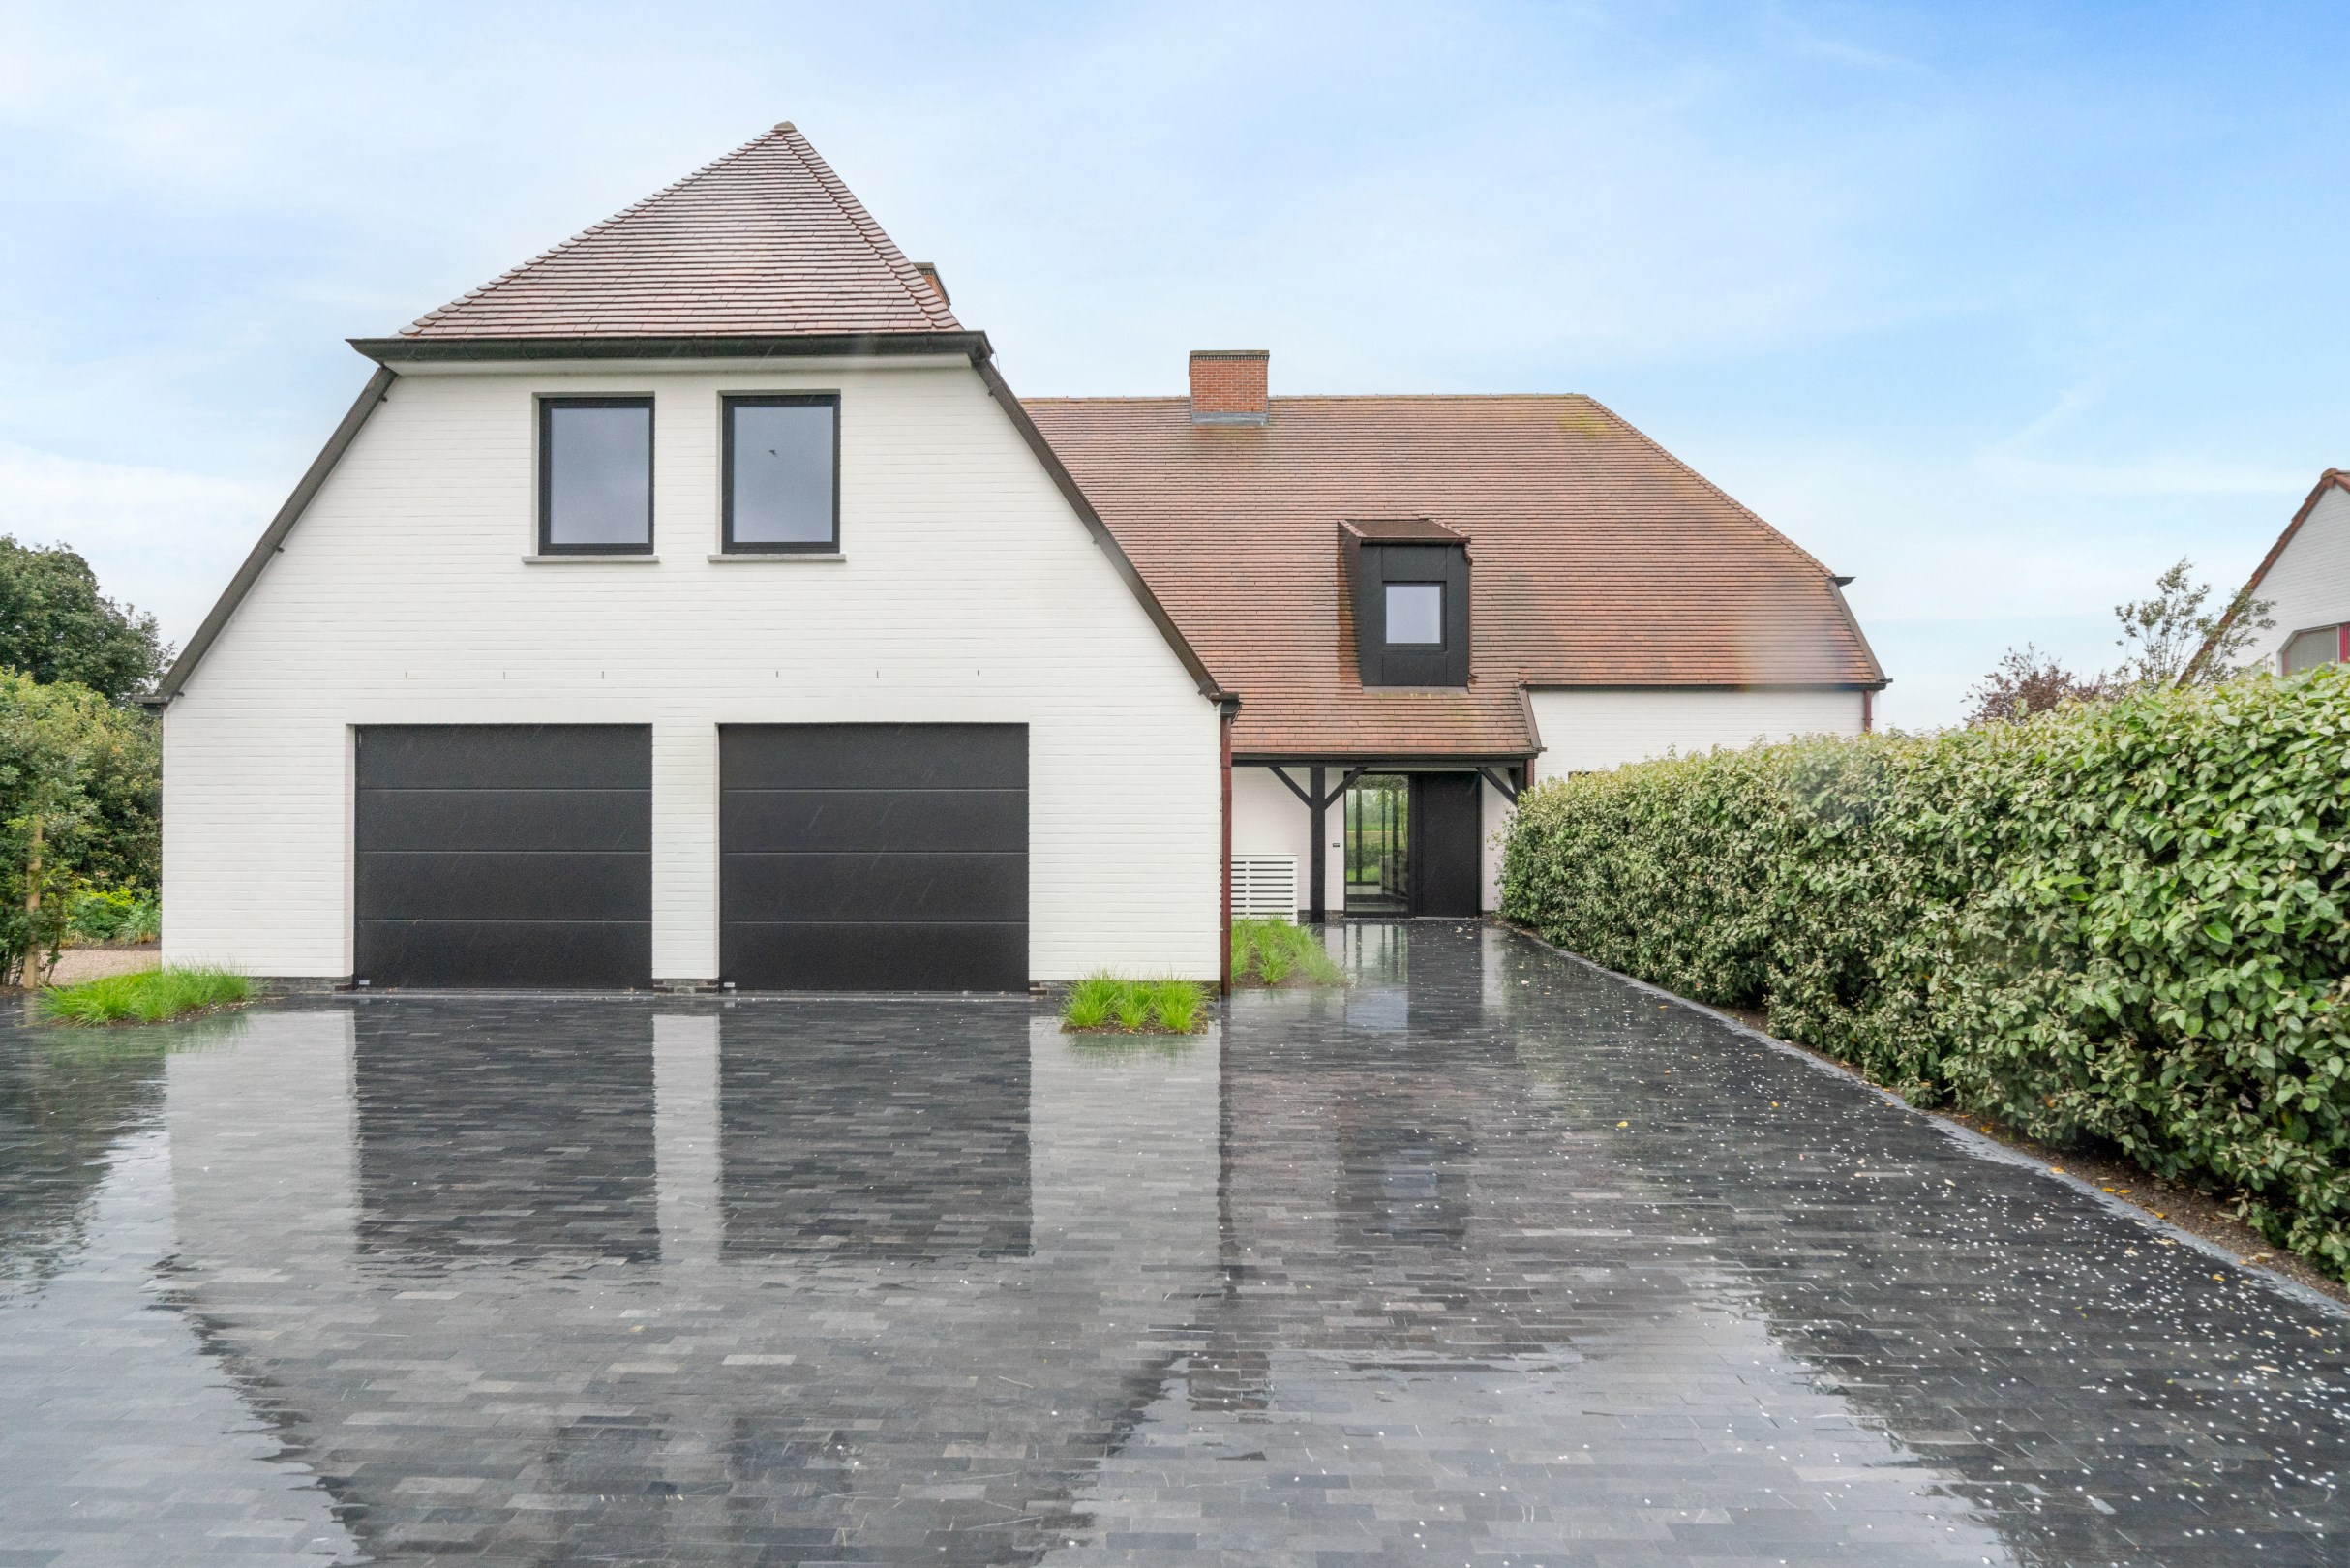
968 590
2309 584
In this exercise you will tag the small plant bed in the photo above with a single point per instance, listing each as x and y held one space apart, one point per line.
1107 1005
146 996
1277 953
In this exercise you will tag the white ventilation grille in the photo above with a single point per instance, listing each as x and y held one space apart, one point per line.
1264 886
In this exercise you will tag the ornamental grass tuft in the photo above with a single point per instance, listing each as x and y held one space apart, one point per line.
1109 1003
2127 923
1278 952
146 996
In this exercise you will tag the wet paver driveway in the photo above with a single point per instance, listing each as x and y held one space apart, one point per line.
1488 1259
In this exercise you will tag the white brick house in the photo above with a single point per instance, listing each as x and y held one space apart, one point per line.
411 586
695 605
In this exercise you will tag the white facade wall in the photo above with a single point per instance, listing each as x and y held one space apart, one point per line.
1584 729
2309 584
970 592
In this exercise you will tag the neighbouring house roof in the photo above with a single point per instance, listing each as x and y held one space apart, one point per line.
2331 479
1600 560
766 242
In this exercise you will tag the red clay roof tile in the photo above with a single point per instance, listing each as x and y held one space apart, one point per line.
1599 560
766 242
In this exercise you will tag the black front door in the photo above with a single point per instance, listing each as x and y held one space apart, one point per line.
873 857
1448 874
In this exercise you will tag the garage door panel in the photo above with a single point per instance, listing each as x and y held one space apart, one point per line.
876 956
874 856
451 820
880 886
874 757
981 820
510 756
556 954
504 856
489 885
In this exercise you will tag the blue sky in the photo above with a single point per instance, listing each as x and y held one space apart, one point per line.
2001 309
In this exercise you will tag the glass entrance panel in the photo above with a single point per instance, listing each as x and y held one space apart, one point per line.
1378 845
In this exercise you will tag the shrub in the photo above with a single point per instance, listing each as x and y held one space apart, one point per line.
147 996
1108 1002
1270 951
2128 921
113 914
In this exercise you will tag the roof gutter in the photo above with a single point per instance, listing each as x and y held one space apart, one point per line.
982 361
829 345
273 538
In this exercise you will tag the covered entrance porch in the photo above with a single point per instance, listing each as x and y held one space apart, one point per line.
1380 838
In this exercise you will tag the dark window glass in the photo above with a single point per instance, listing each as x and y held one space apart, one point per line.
596 475
781 473
2310 648
1415 613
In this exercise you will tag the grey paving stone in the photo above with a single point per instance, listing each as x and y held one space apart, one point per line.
1488 1259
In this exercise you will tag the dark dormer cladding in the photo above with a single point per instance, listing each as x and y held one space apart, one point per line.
1409 578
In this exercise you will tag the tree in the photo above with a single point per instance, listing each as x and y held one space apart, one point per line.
55 626
80 801
2168 640
2028 681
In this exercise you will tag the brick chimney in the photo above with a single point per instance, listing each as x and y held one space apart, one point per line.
1228 386
930 272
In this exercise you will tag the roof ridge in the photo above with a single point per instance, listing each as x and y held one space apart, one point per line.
1328 397
602 224
884 249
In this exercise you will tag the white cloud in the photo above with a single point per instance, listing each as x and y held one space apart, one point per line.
162 540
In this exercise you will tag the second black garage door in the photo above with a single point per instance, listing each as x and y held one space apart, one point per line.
505 855
874 856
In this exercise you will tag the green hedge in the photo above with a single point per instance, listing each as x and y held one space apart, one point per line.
2124 921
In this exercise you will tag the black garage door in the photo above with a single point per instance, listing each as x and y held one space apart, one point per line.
505 855
874 856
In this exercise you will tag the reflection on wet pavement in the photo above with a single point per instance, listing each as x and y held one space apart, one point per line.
1488 1259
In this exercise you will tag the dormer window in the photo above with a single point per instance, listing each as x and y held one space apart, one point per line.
1415 615
1410 591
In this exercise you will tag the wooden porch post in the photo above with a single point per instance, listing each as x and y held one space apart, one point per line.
1322 831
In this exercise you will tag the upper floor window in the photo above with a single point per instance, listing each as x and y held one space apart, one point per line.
782 468
1409 578
1415 615
2320 644
594 475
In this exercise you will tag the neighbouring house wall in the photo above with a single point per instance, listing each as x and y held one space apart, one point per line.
1584 729
970 592
2310 584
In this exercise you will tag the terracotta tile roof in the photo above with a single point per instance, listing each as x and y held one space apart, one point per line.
766 242
1598 558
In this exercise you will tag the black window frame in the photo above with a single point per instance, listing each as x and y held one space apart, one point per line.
728 544
1444 606
547 404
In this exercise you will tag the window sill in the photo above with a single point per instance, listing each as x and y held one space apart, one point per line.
588 559
772 557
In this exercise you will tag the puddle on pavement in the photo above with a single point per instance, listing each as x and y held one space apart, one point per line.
1486 1259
